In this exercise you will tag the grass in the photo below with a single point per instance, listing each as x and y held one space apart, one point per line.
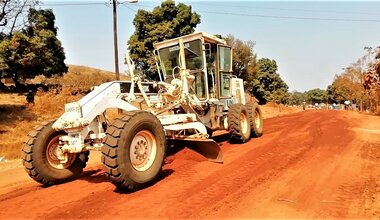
17 118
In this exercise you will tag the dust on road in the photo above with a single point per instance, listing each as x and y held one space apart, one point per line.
308 164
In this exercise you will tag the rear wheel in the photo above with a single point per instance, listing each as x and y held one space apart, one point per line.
134 150
40 158
256 119
238 123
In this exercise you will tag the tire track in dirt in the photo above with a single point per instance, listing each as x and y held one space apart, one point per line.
180 188
361 197
260 175
204 184
330 180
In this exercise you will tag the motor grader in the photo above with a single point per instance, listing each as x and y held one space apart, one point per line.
196 95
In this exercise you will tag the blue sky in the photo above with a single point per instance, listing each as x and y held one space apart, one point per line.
308 52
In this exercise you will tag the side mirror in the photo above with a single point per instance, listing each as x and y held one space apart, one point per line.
207 48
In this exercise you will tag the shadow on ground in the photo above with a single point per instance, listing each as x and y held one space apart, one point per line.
11 115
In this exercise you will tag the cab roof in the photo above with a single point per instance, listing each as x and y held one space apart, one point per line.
207 37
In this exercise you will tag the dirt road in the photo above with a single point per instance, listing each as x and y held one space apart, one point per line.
309 164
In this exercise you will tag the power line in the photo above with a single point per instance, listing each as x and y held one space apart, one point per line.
48 4
291 17
84 4
123 4
231 13
280 17
285 9
74 4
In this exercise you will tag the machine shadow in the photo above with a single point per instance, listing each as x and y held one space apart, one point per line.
94 176
98 175
173 147
10 114
220 138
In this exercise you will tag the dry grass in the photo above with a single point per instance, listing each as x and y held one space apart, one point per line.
81 78
17 118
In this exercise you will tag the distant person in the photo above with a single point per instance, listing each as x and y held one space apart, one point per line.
30 97
304 105
346 104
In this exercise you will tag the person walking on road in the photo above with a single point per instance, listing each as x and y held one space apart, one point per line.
347 104
304 105
30 97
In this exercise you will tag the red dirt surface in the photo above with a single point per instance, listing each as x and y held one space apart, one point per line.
311 164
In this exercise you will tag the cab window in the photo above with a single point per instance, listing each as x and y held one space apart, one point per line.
225 59
169 57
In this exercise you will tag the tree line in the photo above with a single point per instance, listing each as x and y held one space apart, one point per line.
29 47
359 82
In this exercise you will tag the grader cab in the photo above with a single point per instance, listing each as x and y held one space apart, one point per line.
197 94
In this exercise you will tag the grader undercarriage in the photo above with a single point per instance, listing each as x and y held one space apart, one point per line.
196 95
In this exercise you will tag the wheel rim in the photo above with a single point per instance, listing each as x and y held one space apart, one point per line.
257 119
243 123
52 155
143 150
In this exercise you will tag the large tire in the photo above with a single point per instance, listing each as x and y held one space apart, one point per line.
40 161
256 119
238 123
134 150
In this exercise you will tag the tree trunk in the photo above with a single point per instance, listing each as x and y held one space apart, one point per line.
2 86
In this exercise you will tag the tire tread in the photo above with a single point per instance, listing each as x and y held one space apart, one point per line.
236 135
109 156
27 155
110 152
251 107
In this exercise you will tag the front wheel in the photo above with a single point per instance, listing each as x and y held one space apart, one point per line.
134 150
40 158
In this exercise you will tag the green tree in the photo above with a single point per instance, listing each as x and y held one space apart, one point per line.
34 51
268 85
280 96
5 54
296 98
244 60
330 95
164 22
316 96
49 50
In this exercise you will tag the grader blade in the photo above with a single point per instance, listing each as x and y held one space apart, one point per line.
206 147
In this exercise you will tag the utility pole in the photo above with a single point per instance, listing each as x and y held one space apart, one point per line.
114 6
